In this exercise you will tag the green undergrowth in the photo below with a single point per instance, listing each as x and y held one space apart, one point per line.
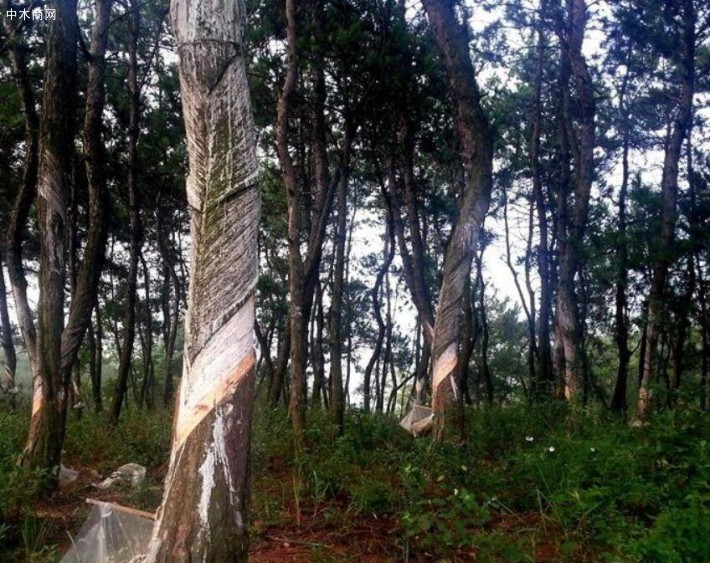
530 484
94 448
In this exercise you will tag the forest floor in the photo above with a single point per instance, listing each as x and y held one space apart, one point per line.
530 484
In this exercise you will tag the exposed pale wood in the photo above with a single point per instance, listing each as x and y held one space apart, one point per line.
203 516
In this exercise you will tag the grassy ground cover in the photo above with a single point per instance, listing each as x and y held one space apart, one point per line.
530 484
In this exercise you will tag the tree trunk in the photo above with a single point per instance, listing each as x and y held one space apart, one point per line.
95 340
147 393
476 140
618 401
669 194
203 515
277 383
376 307
529 302
704 335
303 273
318 394
8 378
544 383
569 325
129 321
23 201
49 402
336 306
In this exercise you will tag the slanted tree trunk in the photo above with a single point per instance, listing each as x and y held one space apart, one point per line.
412 267
528 302
129 321
23 201
203 515
476 138
669 195
49 402
377 309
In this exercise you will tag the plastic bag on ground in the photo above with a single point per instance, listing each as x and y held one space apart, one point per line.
110 536
129 473
418 420
66 476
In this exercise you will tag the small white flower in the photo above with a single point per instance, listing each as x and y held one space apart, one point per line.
529 438
464 468
551 449
593 450
456 492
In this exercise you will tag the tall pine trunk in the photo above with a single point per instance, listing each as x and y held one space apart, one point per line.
669 196
203 516
476 139
49 402
129 320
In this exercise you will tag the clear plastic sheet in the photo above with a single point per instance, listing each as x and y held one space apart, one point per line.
110 536
418 420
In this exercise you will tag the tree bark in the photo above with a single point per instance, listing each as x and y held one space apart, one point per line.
336 307
476 138
49 402
170 310
376 307
8 345
129 321
303 272
569 325
544 383
618 401
23 202
203 516
669 194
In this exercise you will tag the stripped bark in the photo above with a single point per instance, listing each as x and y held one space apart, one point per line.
476 138
203 515
46 433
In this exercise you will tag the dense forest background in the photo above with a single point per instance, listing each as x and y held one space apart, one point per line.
588 293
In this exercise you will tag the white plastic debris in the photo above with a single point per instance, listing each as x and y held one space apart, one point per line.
110 534
418 420
130 473
66 476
